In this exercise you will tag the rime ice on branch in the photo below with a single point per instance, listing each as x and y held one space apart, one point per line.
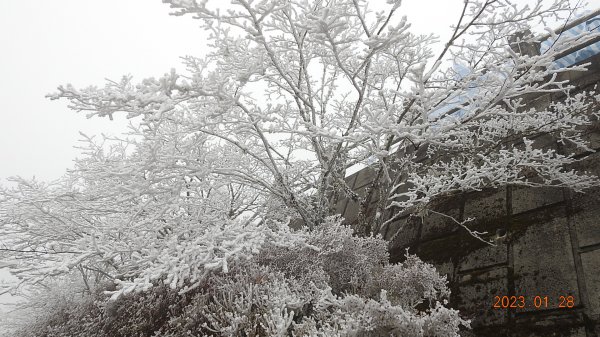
301 90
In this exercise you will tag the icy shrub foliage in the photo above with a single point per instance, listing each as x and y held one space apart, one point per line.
187 258
321 283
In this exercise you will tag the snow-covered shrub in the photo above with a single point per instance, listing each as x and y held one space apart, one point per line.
325 282
346 262
411 282
190 254
257 301
252 300
358 265
142 313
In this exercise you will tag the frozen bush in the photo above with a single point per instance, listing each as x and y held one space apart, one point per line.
328 282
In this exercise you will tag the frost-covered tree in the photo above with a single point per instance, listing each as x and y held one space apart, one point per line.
299 90
262 129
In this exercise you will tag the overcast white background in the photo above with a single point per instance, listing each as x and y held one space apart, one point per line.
47 43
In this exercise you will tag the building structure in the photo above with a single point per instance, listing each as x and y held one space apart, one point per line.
546 251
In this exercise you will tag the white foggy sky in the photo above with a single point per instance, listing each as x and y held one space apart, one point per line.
47 43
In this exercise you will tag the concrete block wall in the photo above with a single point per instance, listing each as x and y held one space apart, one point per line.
551 250
547 247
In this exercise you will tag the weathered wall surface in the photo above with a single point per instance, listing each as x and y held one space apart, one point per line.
547 246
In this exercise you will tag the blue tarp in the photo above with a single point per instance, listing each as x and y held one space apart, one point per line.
591 25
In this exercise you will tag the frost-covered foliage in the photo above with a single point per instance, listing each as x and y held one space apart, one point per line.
335 284
260 130
300 90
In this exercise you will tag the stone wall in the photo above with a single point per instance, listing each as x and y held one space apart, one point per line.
547 246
